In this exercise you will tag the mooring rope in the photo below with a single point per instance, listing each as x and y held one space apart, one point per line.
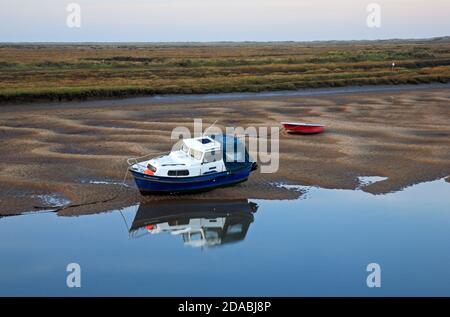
123 185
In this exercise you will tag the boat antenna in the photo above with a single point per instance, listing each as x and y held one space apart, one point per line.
209 127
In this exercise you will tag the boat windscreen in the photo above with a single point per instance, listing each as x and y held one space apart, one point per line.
178 146
181 146
196 154
185 148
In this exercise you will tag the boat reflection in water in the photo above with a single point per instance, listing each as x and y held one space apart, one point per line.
201 223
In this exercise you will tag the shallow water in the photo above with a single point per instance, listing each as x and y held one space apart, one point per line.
313 92
317 245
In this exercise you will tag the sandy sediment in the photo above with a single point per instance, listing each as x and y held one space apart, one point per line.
79 153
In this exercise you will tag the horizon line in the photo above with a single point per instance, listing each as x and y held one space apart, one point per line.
442 37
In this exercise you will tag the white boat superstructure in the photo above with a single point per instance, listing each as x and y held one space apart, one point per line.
190 157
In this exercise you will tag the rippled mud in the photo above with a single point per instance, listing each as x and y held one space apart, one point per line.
78 153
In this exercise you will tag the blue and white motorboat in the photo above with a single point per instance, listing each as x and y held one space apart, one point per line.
196 164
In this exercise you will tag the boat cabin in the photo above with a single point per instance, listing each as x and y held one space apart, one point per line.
189 157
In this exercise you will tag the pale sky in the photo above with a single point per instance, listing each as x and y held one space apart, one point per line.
220 20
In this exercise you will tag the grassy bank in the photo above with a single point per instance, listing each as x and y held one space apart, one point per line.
54 72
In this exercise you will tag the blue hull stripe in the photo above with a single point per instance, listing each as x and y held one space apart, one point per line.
148 183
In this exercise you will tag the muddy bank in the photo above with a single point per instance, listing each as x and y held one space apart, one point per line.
78 153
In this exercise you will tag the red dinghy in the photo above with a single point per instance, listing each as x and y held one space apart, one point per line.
303 128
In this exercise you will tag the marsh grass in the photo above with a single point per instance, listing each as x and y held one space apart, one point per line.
84 71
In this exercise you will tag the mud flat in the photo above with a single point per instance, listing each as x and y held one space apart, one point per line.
74 154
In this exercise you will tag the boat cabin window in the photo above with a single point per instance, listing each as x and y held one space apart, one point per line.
151 167
205 141
196 154
178 173
195 236
184 148
178 222
212 156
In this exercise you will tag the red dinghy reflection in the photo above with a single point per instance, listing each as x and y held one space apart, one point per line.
303 128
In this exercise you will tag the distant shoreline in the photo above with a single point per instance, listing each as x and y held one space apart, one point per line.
152 98
442 38
193 98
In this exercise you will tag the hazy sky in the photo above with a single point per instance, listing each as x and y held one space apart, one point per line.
220 20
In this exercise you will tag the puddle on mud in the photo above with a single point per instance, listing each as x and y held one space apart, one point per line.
368 180
53 200
103 182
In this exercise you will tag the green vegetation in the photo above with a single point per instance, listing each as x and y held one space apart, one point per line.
82 71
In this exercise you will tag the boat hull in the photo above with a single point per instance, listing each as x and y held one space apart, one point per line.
304 129
155 184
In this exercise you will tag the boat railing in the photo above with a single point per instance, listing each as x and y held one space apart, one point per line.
135 160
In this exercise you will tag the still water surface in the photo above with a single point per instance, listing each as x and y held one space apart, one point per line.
317 245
